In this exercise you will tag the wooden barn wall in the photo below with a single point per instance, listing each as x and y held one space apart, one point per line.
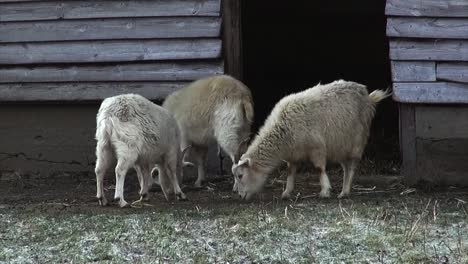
429 58
429 50
43 140
56 53
89 50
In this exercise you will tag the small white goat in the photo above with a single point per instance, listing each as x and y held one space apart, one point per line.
214 109
141 135
328 122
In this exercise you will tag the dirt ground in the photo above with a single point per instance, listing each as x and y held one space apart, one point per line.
57 219
75 192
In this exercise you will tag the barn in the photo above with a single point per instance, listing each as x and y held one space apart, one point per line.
429 59
58 59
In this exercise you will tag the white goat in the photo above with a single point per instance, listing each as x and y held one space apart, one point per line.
328 122
214 109
141 135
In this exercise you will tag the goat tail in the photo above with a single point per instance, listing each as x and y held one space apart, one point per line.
104 130
248 109
378 95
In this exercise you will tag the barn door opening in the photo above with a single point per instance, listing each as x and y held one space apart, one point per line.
289 46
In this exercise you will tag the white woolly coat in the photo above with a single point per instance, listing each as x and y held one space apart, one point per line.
214 109
334 118
137 127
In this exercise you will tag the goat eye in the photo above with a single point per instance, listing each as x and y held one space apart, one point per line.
240 176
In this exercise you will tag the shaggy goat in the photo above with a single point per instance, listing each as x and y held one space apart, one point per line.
328 122
141 135
214 109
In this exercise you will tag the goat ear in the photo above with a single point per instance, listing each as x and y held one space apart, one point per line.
242 163
245 162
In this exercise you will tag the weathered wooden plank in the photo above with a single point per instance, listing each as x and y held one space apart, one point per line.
49 10
450 28
456 72
444 50
109 51
434 93
408 71
408 142
112 28
443 161
441 122
232 37
45 92
429 8
162 71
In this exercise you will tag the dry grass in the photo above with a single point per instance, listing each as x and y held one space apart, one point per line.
378 224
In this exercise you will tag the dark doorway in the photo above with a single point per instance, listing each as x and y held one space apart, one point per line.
292 45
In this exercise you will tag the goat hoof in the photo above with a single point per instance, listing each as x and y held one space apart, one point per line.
198 184
286 196
343 195
123 204
102 201
144 197
181 197
324 194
